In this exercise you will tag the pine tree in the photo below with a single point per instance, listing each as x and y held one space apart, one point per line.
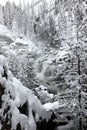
7 15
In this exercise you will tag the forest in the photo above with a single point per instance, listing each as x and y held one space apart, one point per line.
43 65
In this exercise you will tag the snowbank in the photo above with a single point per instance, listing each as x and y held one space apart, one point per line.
53 106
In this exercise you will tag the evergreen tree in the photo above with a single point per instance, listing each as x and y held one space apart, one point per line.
7 15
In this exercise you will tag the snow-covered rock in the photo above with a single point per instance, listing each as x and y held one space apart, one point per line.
53 106
43 94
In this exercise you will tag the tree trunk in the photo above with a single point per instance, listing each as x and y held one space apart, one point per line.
79 97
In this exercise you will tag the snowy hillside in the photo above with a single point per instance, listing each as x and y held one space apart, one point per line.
19 107
43 65
17 103
22 108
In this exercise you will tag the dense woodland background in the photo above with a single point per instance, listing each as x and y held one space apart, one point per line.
49 20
